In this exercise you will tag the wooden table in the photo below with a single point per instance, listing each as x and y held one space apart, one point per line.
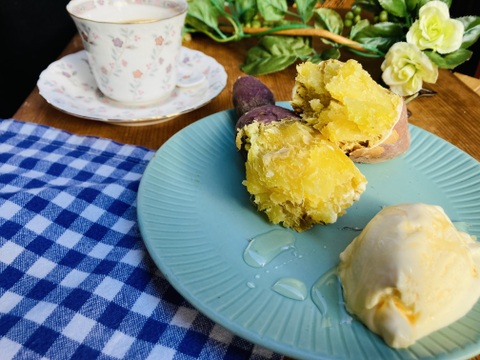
453 113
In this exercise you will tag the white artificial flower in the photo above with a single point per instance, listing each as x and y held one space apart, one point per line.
406 67
435 30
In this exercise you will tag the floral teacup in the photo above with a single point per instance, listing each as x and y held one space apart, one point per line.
132 45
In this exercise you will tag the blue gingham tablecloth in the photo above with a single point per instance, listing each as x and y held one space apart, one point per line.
75 279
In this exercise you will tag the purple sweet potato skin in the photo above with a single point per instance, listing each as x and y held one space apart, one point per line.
265 114
253 101
250 93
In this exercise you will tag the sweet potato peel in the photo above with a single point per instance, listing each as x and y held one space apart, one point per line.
394 145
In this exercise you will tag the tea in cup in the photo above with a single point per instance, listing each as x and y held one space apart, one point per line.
132 45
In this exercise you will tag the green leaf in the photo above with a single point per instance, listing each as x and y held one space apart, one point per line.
472 30
395 7
275 53
202 16
245 10
331 53
451 60
260 62
422 2
203 12
412 5
195 25
305 9
380 36
302 46
358 27
369 5
328 19
272 10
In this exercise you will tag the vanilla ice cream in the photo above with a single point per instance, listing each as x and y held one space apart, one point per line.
410 272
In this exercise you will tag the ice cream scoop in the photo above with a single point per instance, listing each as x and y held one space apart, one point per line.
410 272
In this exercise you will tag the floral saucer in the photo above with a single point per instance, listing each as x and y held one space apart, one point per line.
68 85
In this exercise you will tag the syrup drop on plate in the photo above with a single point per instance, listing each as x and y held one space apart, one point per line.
265 247
291 288
327 296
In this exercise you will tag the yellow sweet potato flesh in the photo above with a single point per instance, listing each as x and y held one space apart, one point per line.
345 104
296 176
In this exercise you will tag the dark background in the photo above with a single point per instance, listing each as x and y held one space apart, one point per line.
462 8
33 33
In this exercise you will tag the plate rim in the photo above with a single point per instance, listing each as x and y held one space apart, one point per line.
221 319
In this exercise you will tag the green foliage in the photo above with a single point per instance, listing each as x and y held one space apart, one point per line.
472 30
380 36
305 9
203 16
246 10
330 20
395 7
272 10
274 52
451 60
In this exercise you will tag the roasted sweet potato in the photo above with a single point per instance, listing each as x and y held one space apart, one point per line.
250 93
297 177
368 122
266 114
253 101
393 145
294 174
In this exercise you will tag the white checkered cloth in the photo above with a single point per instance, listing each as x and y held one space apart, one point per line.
75 279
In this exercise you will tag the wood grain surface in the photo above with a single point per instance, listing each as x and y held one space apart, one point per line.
453 113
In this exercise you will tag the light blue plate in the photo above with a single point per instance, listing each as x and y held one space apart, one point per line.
196 219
